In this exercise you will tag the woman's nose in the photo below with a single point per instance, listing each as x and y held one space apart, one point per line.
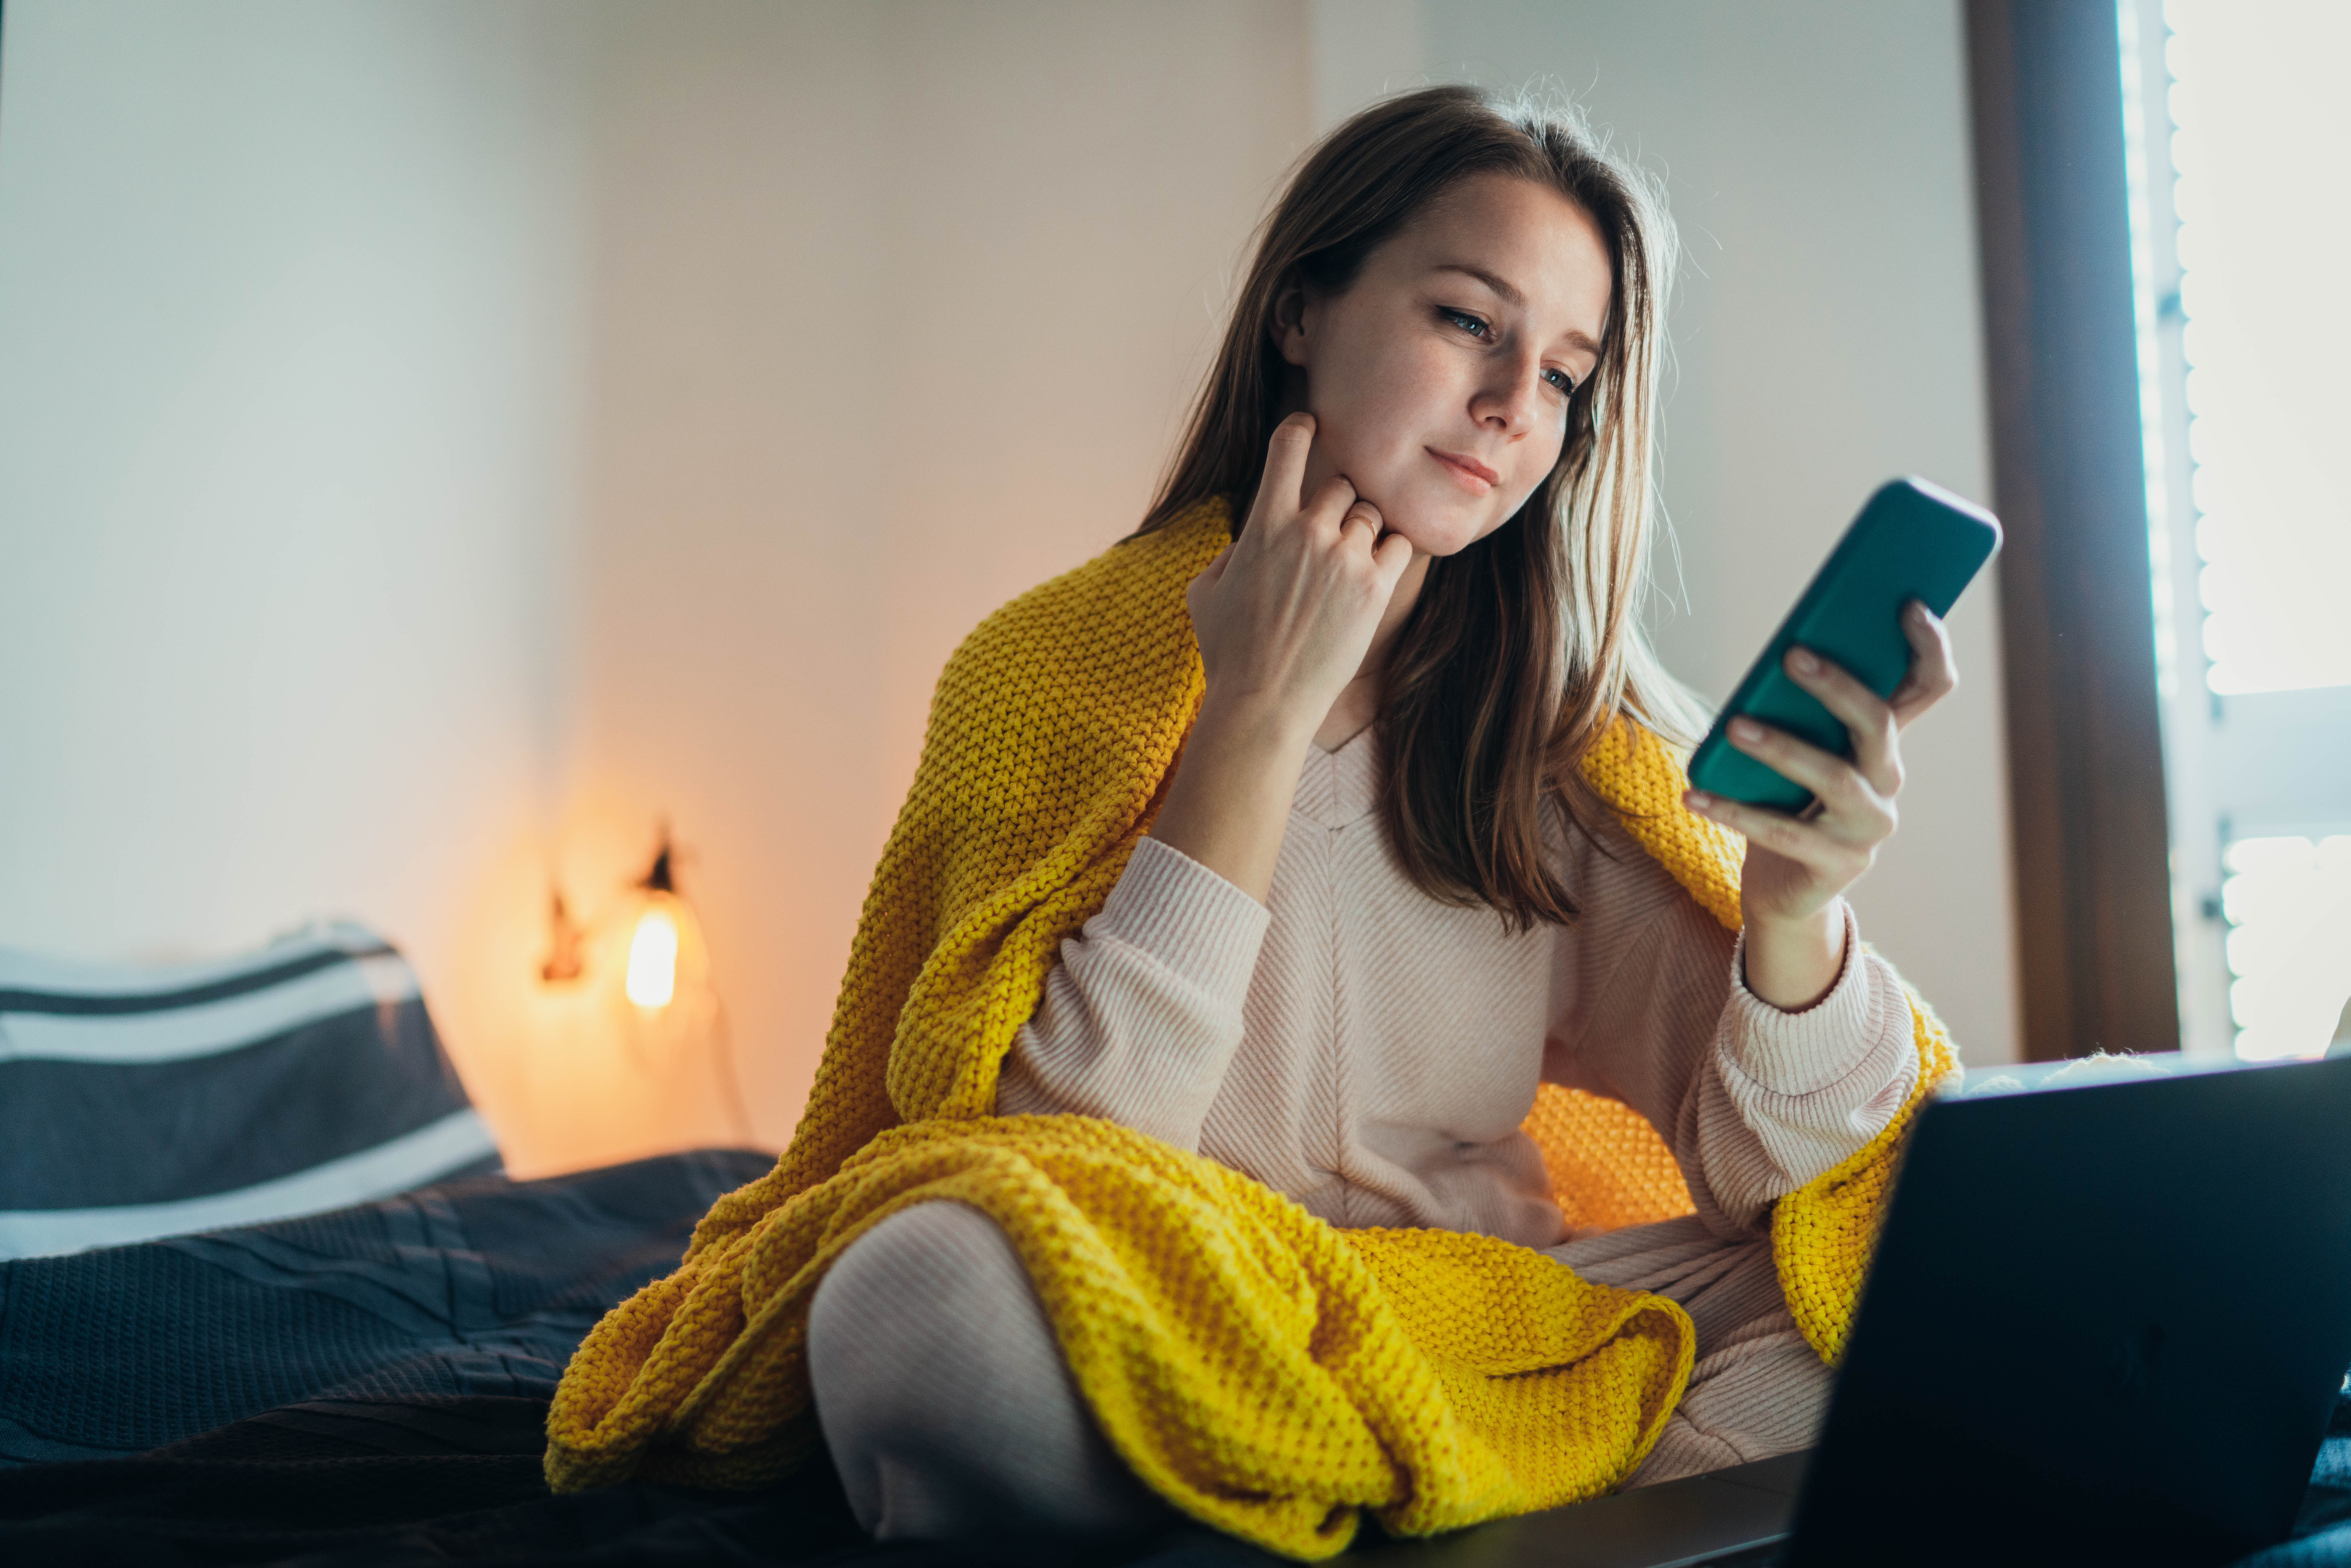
1509 403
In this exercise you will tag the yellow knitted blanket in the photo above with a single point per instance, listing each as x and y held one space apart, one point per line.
1264 1371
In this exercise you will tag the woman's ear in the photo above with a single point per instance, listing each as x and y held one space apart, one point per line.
1288 325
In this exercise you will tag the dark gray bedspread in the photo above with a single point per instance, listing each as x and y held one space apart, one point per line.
479 1286
370 1386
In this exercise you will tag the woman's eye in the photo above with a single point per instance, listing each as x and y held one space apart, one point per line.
1476 327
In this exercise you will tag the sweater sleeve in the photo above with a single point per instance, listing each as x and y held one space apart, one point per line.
1791 1095
1651 1008
1142 1015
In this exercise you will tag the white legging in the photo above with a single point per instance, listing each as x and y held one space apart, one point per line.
949 1411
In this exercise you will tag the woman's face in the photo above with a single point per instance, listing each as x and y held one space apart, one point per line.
1440 381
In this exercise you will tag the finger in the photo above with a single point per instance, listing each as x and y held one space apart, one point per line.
1363 522
1934 671
1285 468
1391 554
1331 503
1858 812
1865 714
1808 843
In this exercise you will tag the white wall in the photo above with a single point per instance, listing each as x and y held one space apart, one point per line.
289 304
896 308
438 439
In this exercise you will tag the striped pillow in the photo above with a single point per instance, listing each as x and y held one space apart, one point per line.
144 1103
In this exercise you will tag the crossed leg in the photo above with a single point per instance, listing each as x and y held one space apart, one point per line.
948 1409
944 1397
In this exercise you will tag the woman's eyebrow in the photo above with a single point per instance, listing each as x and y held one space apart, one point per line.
1501 285
1509 294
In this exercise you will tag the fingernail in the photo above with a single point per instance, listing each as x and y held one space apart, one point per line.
1805 663
1697 799
1746 730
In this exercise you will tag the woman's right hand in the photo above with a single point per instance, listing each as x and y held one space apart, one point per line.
1286 615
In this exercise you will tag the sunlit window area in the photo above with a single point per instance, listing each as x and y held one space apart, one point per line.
2259 126
2236 135
2288 901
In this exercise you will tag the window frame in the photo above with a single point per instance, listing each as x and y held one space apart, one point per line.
2090 829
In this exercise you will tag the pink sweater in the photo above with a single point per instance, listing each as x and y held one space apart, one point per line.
1371 1053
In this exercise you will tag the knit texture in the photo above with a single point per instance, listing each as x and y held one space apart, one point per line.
1266 1373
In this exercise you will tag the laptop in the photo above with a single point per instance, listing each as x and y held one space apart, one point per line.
2107 1321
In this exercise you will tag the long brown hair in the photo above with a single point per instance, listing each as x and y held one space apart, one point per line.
1525 646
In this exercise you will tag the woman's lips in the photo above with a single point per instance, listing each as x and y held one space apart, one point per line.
1474 475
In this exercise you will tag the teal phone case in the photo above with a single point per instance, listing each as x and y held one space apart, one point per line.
1913 540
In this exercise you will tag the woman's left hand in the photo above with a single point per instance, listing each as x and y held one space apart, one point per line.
1797 867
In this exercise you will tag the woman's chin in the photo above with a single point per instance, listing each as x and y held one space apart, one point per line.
1441 530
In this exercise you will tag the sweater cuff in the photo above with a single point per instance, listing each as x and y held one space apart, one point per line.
1187 918
1801 1052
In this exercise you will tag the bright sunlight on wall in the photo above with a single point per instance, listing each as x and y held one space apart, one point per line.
2263 237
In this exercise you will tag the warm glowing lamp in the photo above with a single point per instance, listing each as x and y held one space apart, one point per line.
666 1012
652 959
663 957
653 946
658 939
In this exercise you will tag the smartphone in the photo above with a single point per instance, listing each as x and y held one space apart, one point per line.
1913 540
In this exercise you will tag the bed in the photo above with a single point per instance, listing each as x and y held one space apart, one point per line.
367 1382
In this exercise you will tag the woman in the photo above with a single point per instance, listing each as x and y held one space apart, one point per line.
1382 896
